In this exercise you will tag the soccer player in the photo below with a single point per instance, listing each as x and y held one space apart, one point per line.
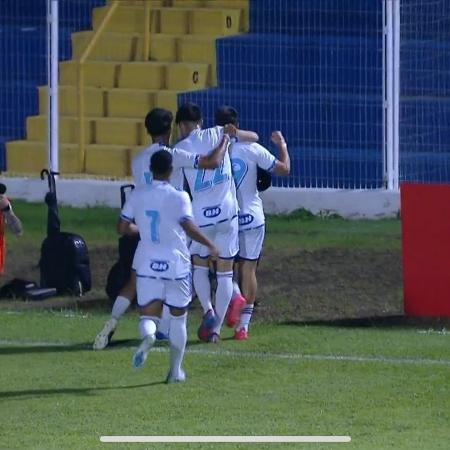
215 211
245 159
158 123
162 215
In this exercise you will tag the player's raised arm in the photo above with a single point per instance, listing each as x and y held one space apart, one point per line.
283 165
241 135
213 159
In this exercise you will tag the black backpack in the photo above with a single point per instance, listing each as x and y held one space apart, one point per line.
64 262
120 271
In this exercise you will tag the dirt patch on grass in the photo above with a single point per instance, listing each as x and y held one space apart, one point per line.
297 285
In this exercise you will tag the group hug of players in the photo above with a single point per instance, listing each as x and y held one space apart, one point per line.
222 228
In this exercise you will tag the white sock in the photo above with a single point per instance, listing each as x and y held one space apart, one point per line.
223 297
178 340
121 304
202 287
164 322
236 289
148 326
246 316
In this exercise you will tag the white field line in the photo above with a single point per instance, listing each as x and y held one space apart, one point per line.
255 354
225 439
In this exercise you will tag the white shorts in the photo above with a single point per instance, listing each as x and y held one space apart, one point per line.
225 238
251 243
176 293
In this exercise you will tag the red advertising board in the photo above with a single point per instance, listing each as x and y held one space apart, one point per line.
425 212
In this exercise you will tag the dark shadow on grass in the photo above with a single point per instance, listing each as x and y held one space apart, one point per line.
71 391
394 321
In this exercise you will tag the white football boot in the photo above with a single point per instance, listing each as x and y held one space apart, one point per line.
104 337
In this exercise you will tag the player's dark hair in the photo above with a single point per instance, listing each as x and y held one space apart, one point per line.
158 122
189 112
226 114
161 162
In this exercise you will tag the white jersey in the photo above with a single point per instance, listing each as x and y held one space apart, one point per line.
213 191
246 157
141 162
158 210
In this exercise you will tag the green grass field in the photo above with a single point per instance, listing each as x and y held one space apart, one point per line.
386 386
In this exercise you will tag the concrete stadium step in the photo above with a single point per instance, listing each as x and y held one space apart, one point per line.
107 130
96 73
130 19
112 160
220 22
32 156
180 48
137 103
171 76
105 160
300 64
163 47
120 131
94 101
110 46
68 129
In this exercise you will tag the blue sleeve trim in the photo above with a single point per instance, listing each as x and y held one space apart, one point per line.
270 169
126 218
186 218
196 162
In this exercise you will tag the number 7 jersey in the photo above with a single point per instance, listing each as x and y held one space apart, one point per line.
213 191
158 210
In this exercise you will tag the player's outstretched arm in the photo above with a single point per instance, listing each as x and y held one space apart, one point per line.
242 135
214 158
12 221
127 228
283 165
193 231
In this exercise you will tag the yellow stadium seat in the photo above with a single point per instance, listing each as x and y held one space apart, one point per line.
31 156
68 101
187 76
109 47
166 99
174 21
96 73
118 131
142 75
129 102
163 48
215 22
196 49
68 129
112 160
127 19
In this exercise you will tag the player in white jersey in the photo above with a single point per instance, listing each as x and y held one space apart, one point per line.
245 159
215 211
162 215
158 123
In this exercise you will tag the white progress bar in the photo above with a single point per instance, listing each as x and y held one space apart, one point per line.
225 439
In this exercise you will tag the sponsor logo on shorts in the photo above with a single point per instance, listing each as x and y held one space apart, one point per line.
159 266
246 219
212 212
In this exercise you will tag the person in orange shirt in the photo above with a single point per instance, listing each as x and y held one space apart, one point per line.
7 219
